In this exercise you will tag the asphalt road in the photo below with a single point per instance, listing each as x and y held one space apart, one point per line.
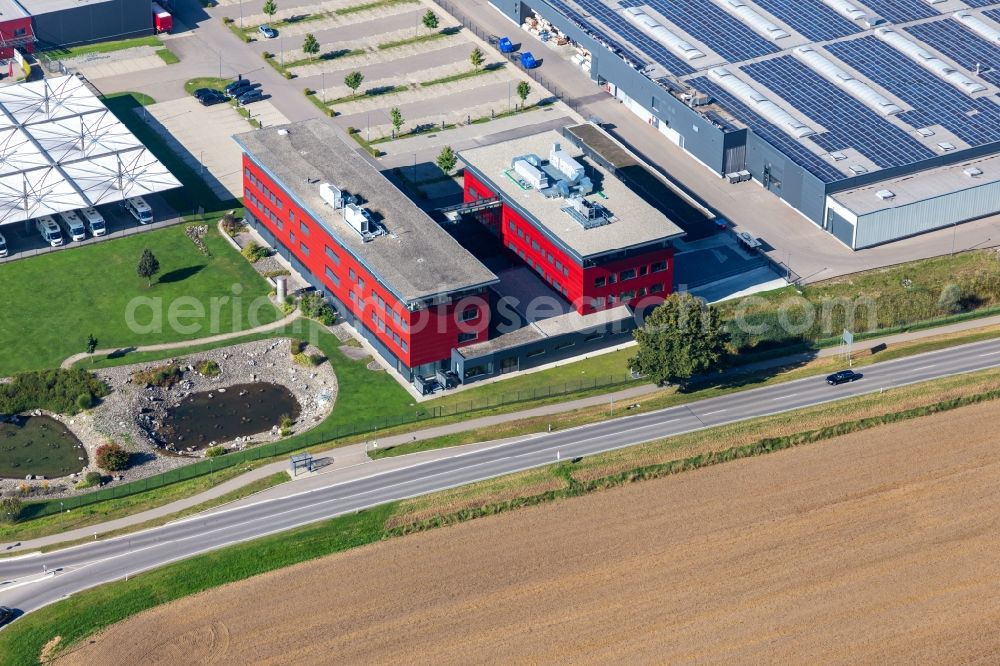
32 581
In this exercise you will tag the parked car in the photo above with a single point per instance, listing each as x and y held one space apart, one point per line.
201 92
214 97
843 377
7 614
139 209
3 246
246 87
49 230
238 83
94 220
74 225
252 95
267 31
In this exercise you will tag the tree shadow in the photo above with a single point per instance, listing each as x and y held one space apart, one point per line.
180 274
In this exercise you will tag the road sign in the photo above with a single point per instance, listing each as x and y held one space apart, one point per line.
847 337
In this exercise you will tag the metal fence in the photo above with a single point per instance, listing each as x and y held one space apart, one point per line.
320 436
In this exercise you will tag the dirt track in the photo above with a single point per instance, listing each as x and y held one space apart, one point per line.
877 547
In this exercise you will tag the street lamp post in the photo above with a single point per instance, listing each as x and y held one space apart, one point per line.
241 14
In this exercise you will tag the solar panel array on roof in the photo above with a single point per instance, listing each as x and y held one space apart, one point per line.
961 45
712 26
901 11
811 18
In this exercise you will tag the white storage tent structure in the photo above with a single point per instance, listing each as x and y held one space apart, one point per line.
62 149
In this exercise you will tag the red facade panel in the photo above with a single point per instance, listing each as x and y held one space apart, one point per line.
647 277
16 32
416 338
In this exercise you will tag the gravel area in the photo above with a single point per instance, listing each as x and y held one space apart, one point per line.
131 413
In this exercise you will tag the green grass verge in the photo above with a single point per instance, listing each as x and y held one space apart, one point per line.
278 66
472 73
168 56
325 57
417 39
241 33
83 614
195 191
65 309
213 82
369 148
318 103
369 94
368 6
104 47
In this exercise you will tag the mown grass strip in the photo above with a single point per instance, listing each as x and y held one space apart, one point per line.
368 6
325 57
168 56
472 73
417 39
105 47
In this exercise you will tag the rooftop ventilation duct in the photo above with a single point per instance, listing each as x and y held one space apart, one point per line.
672 41
752 18
885 195
978 26
759 103
565 164
972 172
845 9
929 61
858 89
361 220
531 174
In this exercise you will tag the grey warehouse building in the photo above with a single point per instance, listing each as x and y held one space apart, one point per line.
73 22
875 119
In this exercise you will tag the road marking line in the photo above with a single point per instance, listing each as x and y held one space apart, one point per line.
785 397
992 353
715 412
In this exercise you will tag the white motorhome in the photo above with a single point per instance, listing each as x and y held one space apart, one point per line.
95 222
139 209
73 225
49 230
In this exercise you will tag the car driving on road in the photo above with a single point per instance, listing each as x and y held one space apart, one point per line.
843 377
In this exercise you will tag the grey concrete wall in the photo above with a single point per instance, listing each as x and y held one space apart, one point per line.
112 19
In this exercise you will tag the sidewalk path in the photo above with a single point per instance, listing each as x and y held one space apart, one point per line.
351 462
222 337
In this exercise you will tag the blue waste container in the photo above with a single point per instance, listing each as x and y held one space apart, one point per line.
506 46
528 61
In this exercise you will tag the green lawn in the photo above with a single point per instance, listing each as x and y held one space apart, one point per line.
168 56
60 298
418 39
105 47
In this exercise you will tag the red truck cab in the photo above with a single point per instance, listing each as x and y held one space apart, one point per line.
162 20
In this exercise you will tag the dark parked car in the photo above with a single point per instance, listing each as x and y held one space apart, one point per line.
843 377
236 92
201 92
252 95
238 83
6 615
214 98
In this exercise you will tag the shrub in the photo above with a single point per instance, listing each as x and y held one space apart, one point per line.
209 368
84 401
267 55
53 390
231 225
227 20
275 273
10 509
163 376
296 346
93 478
112 457
950 300
314 306
254 252
215 451
286 426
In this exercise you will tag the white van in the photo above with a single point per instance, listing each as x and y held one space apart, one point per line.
3 246
139 209
49 230
94 220
74 225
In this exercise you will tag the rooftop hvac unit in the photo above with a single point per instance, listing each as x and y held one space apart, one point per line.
332 195
972 172
531 175
565 164
587 214
361 220
885 195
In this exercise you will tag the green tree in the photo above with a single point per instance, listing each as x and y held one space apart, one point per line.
477 58
446 160
397 118
91 344
148 267
430 20
10 509
354 81
523 90
681 338
112 457
270 8
950 300
310 46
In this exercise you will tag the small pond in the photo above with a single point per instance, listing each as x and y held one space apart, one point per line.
239 411
39 445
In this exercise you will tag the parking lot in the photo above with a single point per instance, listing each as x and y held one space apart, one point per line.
23 240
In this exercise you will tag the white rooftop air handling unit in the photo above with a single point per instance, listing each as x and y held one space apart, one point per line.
753 19
885 195
845 9
565 164
978 26
929 61
759 103
530 174
672 41
858 89
332 195
361 220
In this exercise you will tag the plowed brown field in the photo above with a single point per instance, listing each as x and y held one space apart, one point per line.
879 547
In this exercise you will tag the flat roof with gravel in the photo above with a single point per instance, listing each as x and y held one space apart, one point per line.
416 259
634 224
